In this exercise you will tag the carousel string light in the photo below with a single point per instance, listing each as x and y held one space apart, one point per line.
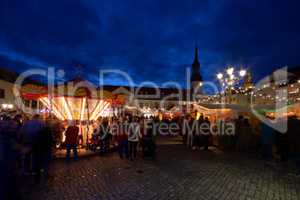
104 105
66 106
65 110
97 110
83 105
47 103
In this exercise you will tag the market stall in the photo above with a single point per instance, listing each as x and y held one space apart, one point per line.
213 113
286 111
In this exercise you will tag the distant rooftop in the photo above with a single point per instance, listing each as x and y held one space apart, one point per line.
11 76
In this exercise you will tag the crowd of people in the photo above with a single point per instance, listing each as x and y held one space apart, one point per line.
127 134
282 142
27 145
272 140
249 135
194 135
25 149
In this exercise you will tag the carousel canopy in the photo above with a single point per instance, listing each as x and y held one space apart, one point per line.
73 100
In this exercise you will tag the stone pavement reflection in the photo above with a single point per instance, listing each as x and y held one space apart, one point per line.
177 173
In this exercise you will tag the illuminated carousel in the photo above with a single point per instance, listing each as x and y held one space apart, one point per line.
78 101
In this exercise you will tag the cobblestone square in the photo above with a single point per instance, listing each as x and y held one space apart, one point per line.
178 173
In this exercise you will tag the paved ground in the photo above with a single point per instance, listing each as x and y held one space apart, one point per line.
178 173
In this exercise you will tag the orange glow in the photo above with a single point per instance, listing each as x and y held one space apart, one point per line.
66 106
82 109
99 112
104 107
70 108
46 102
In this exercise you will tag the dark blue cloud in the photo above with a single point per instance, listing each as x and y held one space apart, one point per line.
151 40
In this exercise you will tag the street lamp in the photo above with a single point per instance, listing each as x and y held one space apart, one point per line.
230 78
230 71
243 72
219 76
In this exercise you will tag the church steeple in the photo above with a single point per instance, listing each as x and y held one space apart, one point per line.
196 79
196 60
196 67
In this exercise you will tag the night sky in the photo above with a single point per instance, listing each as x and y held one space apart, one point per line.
151 39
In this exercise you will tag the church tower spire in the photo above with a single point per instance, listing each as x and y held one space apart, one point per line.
196 67
196 59
196 79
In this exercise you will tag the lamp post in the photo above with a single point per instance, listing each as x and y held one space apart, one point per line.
229 79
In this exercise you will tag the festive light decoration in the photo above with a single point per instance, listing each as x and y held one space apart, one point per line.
83 106
52 107
219 76
229 79
73 108
230 71
7 106
242 73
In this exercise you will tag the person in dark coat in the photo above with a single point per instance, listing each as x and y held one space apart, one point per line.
291 148
207 134
42 152
105 137
30 133
72 140
267 141
134 133
294 141
148 142
122 142
9 188
243 143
